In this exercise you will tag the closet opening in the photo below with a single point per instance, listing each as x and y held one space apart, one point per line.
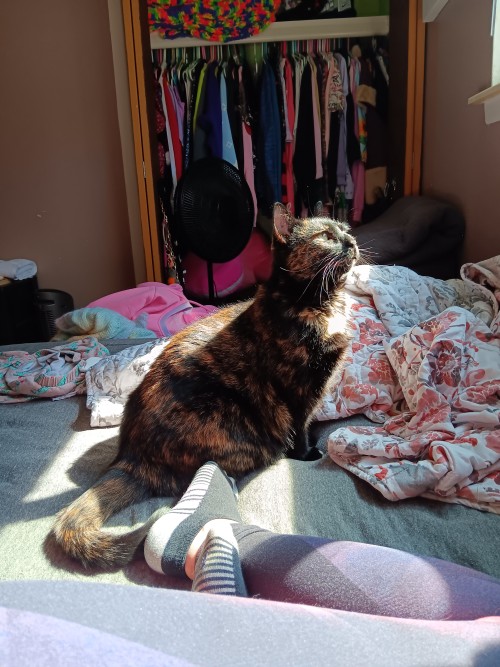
303 122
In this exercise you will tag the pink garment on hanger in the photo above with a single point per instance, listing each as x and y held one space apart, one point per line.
174 129
289 189
342 164
248 170
358 202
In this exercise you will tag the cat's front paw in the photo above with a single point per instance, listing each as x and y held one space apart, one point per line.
313 454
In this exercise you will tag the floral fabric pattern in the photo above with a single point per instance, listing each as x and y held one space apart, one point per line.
112 379
424 364
53 372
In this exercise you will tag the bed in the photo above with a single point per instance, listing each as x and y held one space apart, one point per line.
50 453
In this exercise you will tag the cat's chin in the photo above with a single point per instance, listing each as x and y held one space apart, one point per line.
343 274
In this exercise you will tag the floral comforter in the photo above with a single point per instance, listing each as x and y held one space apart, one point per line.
424 365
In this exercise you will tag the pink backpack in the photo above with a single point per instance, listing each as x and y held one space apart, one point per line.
251 266
161 308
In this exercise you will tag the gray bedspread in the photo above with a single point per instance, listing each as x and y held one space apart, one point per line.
49 455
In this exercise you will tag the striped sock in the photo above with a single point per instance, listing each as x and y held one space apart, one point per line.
211 495
218 566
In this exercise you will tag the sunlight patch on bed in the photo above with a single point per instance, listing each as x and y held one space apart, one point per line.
263 495
73 463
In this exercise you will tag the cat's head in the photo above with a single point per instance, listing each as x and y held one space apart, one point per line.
316 252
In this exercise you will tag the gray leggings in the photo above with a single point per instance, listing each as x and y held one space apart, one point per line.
364 578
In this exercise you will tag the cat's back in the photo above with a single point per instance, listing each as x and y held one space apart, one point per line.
210 332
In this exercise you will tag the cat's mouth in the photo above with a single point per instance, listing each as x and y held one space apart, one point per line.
349 257
340 268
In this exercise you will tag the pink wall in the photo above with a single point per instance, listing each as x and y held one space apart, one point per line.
62 192
63 201
461 154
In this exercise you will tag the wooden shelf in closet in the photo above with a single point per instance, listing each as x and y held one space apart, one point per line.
288 31
406 32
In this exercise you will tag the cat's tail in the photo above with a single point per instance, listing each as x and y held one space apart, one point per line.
78 527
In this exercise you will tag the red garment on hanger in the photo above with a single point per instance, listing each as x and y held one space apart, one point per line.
288 189
174 127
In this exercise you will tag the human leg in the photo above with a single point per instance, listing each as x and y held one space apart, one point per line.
217 565
293 568
195 537
209 496
363 578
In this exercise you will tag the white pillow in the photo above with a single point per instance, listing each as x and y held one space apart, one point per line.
111 380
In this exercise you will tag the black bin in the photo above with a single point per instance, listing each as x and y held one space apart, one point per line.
18 312
51 304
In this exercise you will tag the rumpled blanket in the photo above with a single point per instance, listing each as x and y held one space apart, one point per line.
101 323
111 381
425 364
54 372
487 275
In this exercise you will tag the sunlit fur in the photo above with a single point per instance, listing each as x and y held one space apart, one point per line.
239 387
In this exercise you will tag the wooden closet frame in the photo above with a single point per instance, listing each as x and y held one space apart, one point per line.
138 48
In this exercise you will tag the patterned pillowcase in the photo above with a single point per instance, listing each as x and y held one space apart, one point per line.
111 380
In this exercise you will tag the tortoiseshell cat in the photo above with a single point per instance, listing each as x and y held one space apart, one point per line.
239 388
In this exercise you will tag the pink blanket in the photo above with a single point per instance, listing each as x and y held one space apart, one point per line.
425 366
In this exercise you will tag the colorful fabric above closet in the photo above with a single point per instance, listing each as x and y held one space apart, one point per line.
214 20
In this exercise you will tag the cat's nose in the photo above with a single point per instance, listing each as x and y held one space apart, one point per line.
350 241
351 244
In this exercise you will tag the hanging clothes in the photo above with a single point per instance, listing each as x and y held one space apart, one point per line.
211 119
236 108
228 151
344 179
309 190
287 180
375 100
173 132
308 130
191 78
358 168
268 171
247 144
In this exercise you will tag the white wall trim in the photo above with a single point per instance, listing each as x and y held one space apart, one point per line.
492 110
287 31
490 98
431 9
495 66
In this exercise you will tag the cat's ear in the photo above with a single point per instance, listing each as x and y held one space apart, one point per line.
283 223
319 210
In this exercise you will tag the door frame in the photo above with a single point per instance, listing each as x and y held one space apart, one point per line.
136 30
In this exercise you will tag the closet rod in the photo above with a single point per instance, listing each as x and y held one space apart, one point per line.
288 31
